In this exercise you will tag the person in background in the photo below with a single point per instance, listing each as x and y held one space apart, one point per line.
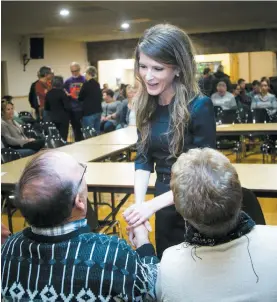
42 86
73 87
111 112
256 89
33 100
57 105
244 97
206 82
121 93
59 258
105 87
265 100
220 239
243 109
172 116
220 76
91 98
9 99
128 116
223 98
13 133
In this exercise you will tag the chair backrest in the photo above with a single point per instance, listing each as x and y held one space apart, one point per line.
52 142
4 142
49 128
88 132
260 116
8 154
25 113
229 116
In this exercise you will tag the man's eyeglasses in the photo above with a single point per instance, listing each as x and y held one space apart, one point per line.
80 182
77 70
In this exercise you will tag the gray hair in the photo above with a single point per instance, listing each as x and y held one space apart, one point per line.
207 191
92 71
75 64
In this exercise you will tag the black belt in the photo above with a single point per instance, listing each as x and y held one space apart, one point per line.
164 178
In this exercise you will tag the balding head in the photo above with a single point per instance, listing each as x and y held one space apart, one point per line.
52 190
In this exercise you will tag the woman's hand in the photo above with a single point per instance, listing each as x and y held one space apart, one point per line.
137 214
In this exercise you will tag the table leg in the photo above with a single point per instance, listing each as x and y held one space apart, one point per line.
95 204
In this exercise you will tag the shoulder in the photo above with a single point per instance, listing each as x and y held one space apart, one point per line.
271 95
200 102
104 241
68 80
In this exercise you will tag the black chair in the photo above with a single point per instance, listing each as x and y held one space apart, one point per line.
251 206
49 128
52 142
8 154
260 116
229 116
88 132
26 117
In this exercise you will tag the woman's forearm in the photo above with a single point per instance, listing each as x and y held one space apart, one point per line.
162 201
141 185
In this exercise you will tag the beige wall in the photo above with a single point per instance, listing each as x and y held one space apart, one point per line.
57 54
254 65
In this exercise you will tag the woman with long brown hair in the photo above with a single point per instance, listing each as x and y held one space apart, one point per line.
172 117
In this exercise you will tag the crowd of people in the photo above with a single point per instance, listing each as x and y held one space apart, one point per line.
208 242
261 95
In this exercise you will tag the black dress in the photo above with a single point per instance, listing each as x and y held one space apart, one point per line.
201 132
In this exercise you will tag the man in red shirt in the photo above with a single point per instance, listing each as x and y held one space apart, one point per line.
42 86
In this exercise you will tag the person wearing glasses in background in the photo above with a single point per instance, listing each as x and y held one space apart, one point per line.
57 257
73 87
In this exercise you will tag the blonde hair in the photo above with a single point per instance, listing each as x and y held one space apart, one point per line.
4 105
207 191
167 44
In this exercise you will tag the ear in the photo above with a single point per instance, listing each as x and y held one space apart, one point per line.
177 71
79 203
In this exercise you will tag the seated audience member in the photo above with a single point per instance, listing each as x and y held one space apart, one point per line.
224 253
256 89
42 86
206 82
57 106
223 98
128 116
13 133
9 99
111 112
244 98
121 93
5 233
57 255
243 109
264 99
91 98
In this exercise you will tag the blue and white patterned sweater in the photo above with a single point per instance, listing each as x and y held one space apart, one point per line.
78 266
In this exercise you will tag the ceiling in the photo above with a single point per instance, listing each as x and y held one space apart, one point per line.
100 20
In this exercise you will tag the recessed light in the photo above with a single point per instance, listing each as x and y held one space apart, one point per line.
64 12
125 25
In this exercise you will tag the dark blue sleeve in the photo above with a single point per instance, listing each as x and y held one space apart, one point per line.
144 161
203 124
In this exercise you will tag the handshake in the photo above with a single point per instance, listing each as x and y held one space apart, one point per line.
138 225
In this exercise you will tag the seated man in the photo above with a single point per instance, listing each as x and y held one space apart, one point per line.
224 256
223 98
57 258
111 112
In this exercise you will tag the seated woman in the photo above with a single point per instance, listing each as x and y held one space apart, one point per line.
224 256
13 133
57 106
128 117
222 98
111 112
264 99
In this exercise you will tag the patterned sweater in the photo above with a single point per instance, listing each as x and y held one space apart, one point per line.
78 266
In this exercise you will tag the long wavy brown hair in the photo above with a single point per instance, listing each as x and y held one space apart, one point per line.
166 44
